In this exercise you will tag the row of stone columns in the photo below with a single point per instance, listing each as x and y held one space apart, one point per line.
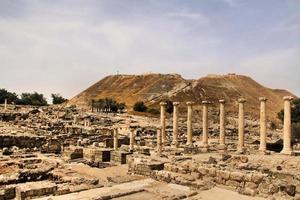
287 149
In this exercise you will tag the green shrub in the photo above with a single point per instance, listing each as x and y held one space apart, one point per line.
140 106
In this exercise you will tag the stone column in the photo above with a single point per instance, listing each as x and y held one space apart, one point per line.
175 124
205 124
241 142
287 126
189 123
263 124
163 121
131 142
5 104
116 138
159 141
222 123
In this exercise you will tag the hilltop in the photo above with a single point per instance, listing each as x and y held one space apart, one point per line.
153 88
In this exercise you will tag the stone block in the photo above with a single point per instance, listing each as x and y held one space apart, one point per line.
35 189
237 176
257 178
232 183
251 185
203 170
224 174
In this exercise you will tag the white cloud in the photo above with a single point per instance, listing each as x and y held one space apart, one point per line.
186 14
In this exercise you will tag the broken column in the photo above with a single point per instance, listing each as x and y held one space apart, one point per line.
263 124
131 141
287 128
159 141
222 123
241 130
5 104
175 124
115 138
189 123
163 121
205 124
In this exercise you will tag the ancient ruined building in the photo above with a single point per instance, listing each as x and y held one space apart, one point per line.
208 149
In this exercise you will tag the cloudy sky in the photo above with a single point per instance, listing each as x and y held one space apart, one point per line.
64 46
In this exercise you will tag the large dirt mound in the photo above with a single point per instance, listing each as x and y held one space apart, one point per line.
153 88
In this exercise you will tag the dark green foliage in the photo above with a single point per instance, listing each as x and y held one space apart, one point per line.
34 99
107 105
58 99
295 112
153 111
10 96
140 106
169 107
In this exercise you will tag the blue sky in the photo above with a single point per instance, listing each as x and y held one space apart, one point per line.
64 46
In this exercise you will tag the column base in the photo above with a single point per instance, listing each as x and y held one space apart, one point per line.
262 149
175 144
222 147
241 150
264 152
204 145
189 145
287 152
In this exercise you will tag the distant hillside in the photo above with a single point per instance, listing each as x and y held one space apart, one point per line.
153 88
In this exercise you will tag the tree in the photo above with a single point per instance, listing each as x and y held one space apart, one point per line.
107 105
10 96
34 99
121 106
58 99
140 106
295 112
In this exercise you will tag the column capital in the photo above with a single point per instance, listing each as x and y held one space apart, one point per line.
222 101
189 103
288 98
175 103
162 103
206 102
241 100
262 99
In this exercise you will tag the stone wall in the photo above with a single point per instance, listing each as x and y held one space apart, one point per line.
21 141
119 156
204 176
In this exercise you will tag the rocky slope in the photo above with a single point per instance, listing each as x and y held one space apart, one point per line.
153 88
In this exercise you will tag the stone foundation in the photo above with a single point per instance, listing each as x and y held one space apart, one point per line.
119 156
35 189
21 141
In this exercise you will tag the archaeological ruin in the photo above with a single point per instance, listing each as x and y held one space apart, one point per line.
68 152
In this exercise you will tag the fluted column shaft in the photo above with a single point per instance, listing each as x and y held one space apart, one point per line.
263 124
189 123
222 122
241 130
5 104
116 135
205 123
175 123
163 121
132 140
287 126
159 141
